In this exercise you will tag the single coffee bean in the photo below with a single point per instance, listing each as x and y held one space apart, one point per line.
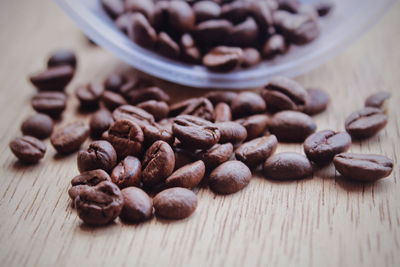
282 93
53 79
69 138
89 95
222 112
236 11
216 155
189 51
100 155
62 57
292 126
50 103
366 122
188 176
221 96
158 109
199 107
274 46
148 93
112 100
141 32
287 166
256 151
138 206
153 133
158 163
261 13
247 103
324 8
181 16
39 126
134 114
316 102
255 125
363 167
231 132
230 177
144 7
206 10
166 46
100 122
223 59
28 149
212 32
322 146
126 137
114 82
377 100
194 132
243 34
175 203
127 173
90 178
99 204
251 57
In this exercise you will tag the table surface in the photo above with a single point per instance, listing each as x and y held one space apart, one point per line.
320 221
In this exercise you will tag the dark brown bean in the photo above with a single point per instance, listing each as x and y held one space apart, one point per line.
100 155
53 79
230 177
90 178
114 82
274 46
181 16
112 100
69 138
188 176
28 149
89 95
246 104
231 132
175 203
212 32
127 173
50 103
166 46
251 57
221 96
216 155
142 32
38 125
134 114
317 101
200 107
189 51
377 100
292 126
100 122
236 11
138 95
158 109
223 59
243 34
62 57
222 112
255 125
206 10
256 151
287 166
153 133
138 206
145 7
366 122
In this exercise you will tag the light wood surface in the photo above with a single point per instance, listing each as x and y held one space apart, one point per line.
324 221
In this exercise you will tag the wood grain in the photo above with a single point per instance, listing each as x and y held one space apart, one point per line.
323 221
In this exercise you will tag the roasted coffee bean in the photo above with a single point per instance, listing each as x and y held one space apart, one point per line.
90 178
53 79
134 114
69 138
38 125
145 7
62 57
221 96
161 15
316 102
323 8
28 149
189 51
158 109
153 133
282 93
175 203
216 155
50 103
222 112
199 107
231 132
244 34
100 155
366 122
223 59
100 122
287 166
377 100
114 82
322 146
212 32
230 177
188 176
99 204
89 95
112 100
127 173
256 151
292 126
126 137
138 206
251 57
363 167
206 10
158 163
142 32
181 16
261 13
166 46
247 103
149 93
237 11
183 157
194 132
274 46
255 125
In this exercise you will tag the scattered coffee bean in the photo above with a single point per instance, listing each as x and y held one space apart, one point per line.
69 138
28 149
50 103
156 108
256 151
222 112
200 107
231 132
148 93
287 166
134 114
153 133
38 125
138 206
230 177
246 104
377 100
175 203
127 173
100 155
216 155
366 122
188 176
53 79
223 59
100 122
112 100
255 125
316 102
89 95
292 126
62 57
221 96
90 178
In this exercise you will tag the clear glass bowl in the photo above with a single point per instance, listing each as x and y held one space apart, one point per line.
349 19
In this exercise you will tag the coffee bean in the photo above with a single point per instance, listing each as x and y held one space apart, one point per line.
287 166
100 122
243 34
237 11
158 163
255 125
175 203
181 16
365 123
316 102
50 103
145 7
189 51
230 177
256 151
148 93
127 173
28 149
153 133
206 10
231 132
126 137
99 204
222 112
158 109
142 32
251 57
292 126
216 155
194 132
363 167
89 95
223 59
282 93
100 155
274 46
62 57
138 206
188 176
247 103
377 100
221 96
134 114
261 13
112 100
114 82
90 178
166 46
161 15
200 107
38 125
322 146
53 79
69 138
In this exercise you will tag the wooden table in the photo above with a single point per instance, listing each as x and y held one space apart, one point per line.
324 221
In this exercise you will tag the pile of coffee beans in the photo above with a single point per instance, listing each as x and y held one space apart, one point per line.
222 35
148 154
